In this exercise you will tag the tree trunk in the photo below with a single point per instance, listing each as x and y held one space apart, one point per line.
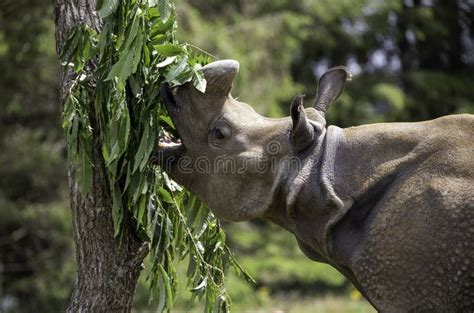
107 271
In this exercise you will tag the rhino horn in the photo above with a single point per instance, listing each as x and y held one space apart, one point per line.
302 134
220 75
330 86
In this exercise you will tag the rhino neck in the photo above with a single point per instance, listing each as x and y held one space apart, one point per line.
316 204
357 167
292 181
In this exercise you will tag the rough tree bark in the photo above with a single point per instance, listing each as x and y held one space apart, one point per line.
107 272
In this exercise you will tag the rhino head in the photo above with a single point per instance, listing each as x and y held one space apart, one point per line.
241 164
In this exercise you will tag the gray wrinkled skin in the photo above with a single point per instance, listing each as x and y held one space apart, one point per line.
391 206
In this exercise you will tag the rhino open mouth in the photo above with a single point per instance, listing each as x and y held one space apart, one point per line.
168 149
170 142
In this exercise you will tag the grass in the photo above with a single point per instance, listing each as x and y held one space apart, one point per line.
326 304
291 304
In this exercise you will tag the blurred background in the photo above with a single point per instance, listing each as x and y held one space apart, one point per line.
411 59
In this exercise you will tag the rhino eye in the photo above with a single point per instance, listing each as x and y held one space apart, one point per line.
220 133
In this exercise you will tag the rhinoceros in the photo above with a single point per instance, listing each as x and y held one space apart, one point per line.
389 205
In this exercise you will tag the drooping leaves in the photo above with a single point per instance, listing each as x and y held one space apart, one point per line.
114 102
108 7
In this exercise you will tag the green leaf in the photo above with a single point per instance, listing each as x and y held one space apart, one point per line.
199 81
146 56
84 173
142 206
123 68
103 37
142 149
87 50
162 293
127 67
108 7
165 195
70 45
167 121
137 53
159 39
182 78
124 130
132 32
165 9
161 27
116 69
139 189
193 210
166 285
169 50
177 69
117 210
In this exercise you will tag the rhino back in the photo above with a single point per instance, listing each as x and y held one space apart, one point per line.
416 251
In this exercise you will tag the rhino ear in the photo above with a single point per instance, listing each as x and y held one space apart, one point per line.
302 133
330 86
220 75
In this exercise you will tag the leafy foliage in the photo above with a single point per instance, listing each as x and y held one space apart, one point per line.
114 102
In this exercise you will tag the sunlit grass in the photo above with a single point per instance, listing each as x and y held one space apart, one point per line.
326 304
282 304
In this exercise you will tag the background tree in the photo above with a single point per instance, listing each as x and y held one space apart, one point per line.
36 260
108 270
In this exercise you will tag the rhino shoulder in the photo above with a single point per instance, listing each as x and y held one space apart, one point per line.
458 125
